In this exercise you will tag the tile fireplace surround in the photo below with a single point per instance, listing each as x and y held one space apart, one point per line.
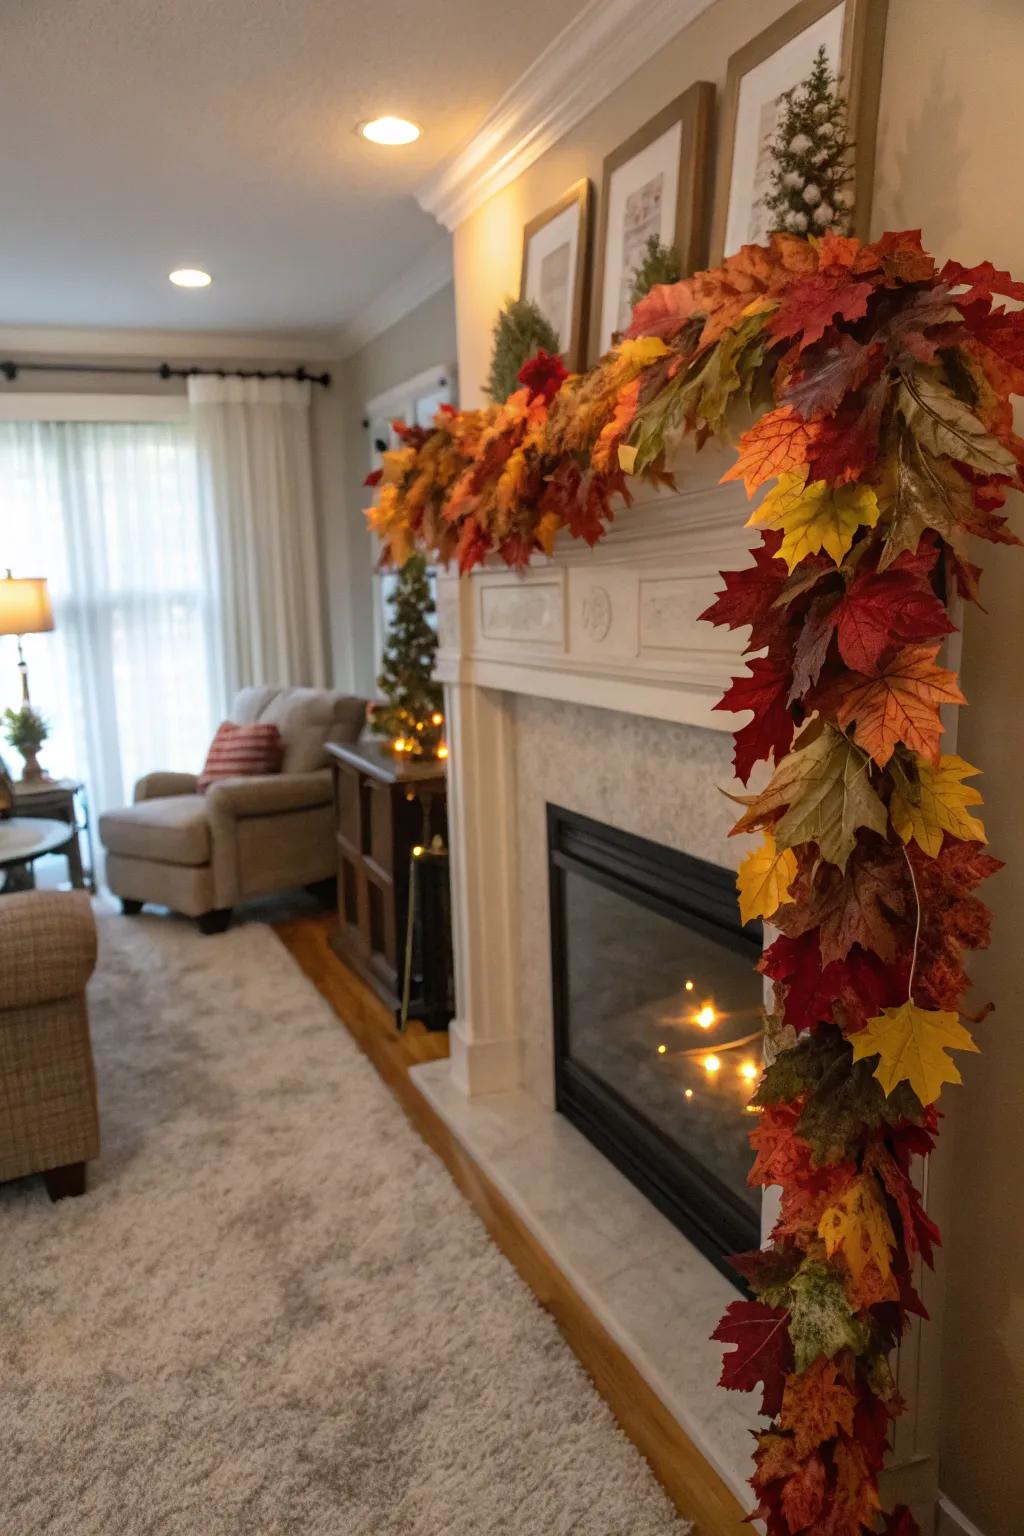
588 683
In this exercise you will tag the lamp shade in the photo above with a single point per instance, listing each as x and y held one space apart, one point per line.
24 605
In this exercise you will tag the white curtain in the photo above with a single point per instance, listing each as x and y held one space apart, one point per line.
253 442
129 679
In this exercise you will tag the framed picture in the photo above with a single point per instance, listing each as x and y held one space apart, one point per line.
779 58
556 269
656 183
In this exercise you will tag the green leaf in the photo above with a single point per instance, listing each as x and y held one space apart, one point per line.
824 789
821 1321
943 424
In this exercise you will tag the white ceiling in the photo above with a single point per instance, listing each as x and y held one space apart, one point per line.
141 135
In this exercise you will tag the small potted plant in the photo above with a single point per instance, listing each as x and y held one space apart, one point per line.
26 730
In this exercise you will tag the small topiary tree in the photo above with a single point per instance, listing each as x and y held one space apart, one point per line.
812 164
412 717
661 264
519 332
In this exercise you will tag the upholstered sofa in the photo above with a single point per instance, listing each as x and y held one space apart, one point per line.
201 854
49 1122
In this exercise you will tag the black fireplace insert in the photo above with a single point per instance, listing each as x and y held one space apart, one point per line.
657 1010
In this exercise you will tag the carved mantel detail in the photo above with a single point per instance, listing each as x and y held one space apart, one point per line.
615 626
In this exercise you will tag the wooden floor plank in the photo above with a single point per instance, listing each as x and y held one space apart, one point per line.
692 1484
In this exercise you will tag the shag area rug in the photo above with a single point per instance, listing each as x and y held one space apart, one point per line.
273 1312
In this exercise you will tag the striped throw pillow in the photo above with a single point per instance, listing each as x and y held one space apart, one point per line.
241 751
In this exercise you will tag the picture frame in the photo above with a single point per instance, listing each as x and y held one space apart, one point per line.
656 182
853 32
555 271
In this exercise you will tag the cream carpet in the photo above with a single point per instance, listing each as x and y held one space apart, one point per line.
273 1313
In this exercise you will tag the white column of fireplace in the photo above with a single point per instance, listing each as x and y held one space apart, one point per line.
614 629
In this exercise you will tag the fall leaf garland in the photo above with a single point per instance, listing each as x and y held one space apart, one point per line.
879 387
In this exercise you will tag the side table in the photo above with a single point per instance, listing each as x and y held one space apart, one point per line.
62 800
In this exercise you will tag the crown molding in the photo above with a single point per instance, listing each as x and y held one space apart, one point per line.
80 341
595 53
430 274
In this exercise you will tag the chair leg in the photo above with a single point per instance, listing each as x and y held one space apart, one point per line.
130 908
62 1183
215 921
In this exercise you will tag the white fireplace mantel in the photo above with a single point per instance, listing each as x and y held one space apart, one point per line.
616 628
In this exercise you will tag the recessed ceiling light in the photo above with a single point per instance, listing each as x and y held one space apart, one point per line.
190 277
389 130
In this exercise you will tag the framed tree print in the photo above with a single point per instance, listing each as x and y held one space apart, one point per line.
656 183
852 33
556 269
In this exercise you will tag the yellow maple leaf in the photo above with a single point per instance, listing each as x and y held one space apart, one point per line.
764 878
642 350
858 1225
936 803
815 516
911 1044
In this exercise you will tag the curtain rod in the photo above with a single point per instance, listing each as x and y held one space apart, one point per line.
10 370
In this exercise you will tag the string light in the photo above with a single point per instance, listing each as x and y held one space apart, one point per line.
749 1070
688 986
706 1017
711 1064
662 1049
437 718
442 751
688 1094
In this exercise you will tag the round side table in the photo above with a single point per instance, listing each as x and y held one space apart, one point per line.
23 839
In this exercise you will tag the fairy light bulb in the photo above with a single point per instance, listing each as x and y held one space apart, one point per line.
711 1065
442 751
662 1049
748 1070
688 985
688 1093
437 718
706 1016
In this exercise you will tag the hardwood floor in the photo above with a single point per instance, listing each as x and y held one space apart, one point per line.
693 1486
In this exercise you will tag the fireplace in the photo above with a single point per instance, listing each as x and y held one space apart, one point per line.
657 1011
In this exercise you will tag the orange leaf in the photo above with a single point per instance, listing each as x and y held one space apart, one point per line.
899 702
816 1405
775 444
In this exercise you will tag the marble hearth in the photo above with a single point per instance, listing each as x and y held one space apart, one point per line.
588 683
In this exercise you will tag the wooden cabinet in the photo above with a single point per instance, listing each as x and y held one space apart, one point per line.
384 807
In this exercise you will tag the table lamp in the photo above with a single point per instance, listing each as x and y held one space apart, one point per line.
24 610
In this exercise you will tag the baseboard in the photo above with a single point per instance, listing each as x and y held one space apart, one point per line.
950 1521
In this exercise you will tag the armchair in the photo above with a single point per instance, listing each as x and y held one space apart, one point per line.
201 854
49 1122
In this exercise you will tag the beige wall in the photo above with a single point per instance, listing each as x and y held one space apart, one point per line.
951 123
420 340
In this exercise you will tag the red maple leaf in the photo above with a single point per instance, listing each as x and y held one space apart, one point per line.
748 596
982 281
846 445
847 992
920 1234
763 1354
473 546
770 732
881 610
811 304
